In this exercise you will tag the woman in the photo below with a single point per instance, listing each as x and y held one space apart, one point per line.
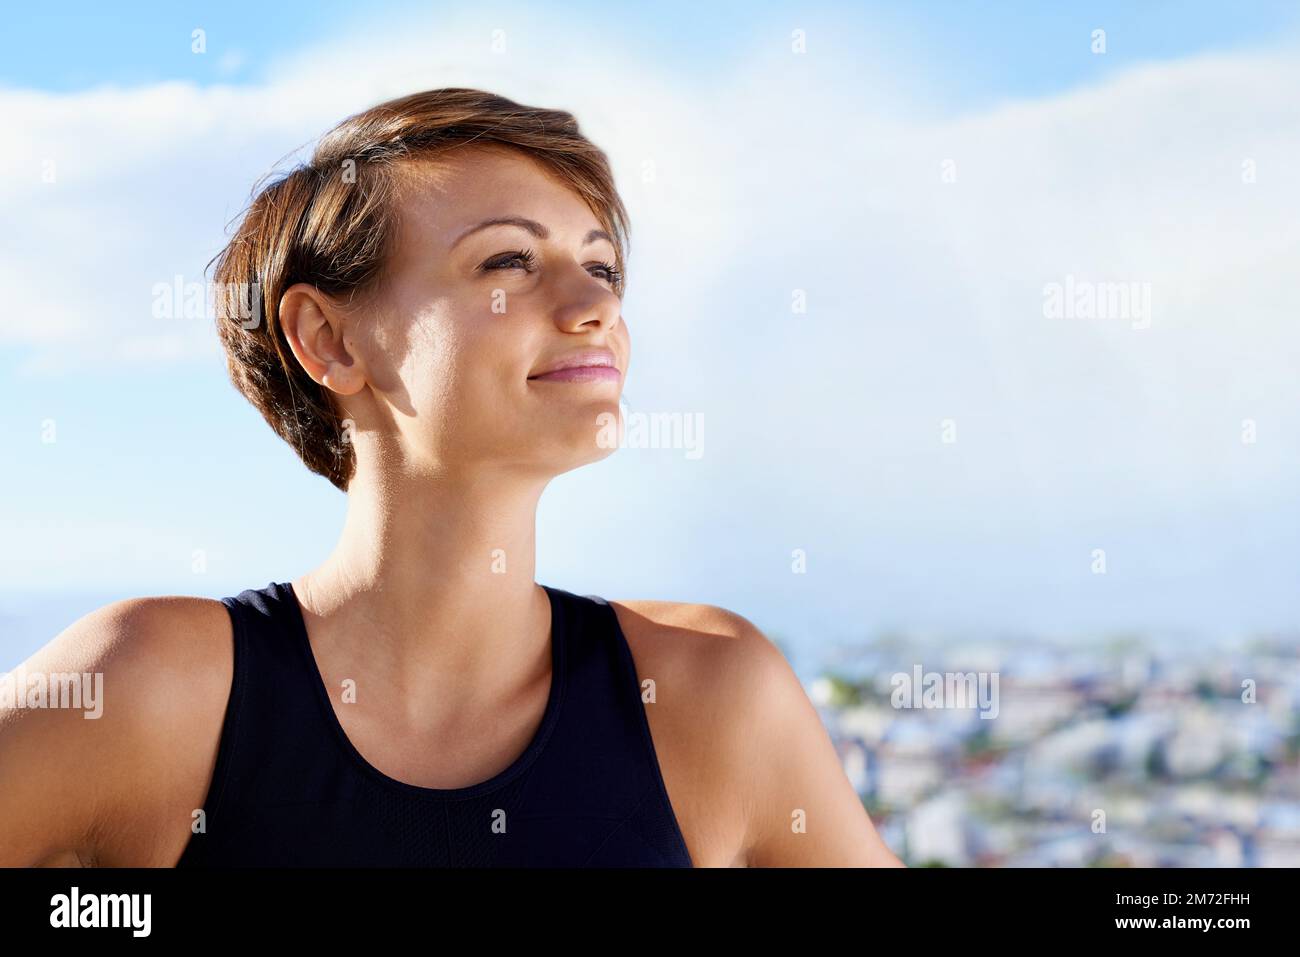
440 334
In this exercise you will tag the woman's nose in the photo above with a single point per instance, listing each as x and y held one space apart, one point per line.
583 300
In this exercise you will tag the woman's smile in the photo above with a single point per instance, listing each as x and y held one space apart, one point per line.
581 374
589 366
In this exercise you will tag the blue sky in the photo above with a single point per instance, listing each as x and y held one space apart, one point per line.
995 50
775 172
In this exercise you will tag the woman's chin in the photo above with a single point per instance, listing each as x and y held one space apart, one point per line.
589 441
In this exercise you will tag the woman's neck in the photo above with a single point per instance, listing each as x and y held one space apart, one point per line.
430 590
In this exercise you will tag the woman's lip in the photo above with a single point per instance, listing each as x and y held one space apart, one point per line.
580 374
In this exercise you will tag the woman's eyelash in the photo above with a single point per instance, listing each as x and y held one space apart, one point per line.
525 256
528 260
612 273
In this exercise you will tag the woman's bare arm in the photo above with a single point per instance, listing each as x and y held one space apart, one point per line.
78 789
803 810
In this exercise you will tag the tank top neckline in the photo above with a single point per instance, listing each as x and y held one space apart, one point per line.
550 716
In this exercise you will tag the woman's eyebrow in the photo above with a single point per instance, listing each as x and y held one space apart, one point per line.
534 227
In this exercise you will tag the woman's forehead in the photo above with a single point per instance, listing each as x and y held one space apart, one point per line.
442 197
462 168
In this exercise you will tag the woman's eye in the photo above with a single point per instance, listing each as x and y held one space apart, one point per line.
523 257
527 260
611 272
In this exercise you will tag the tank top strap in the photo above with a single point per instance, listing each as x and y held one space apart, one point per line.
605 726
272 728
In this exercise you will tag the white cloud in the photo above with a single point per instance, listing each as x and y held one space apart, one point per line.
925 297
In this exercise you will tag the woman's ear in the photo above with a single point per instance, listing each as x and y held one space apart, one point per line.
314 327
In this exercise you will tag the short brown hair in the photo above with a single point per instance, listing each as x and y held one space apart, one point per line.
329 223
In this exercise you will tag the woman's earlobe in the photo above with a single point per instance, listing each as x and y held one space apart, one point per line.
343 377
336 382
321 349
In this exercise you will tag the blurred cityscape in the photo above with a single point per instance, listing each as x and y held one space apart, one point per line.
1118 754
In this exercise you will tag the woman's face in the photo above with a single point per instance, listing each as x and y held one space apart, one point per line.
464 318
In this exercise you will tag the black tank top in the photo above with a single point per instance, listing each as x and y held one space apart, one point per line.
289 788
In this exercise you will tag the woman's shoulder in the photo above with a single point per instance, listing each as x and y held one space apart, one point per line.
741 732
705 657
705 641
150 649
154 647
153 677
714 675
699 618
